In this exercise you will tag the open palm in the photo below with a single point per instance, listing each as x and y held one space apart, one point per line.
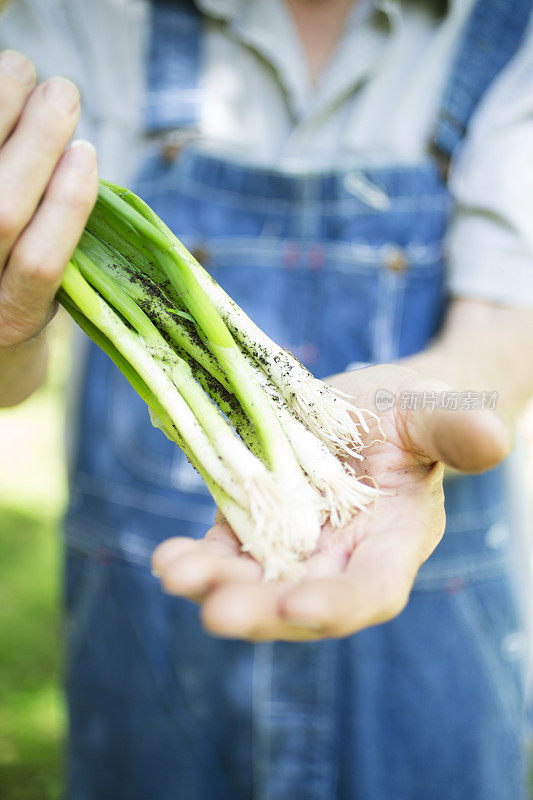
362 575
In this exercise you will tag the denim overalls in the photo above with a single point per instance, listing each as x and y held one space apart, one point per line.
426 707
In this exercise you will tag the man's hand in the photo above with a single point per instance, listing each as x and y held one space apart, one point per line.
46 196
362 575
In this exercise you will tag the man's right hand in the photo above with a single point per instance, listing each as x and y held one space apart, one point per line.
46 195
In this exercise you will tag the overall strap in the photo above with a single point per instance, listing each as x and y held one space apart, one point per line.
493 33
174 62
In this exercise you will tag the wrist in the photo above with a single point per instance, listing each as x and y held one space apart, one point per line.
22 369
483 348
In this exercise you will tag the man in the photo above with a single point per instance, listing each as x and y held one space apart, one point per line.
293 143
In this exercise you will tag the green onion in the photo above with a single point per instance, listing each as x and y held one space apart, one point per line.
325 411
261 431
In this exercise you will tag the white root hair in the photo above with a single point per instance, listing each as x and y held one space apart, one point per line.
275 530
330 418
333 419
343 493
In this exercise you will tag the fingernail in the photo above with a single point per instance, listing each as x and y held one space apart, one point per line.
62 94
17 66
81 156
155 573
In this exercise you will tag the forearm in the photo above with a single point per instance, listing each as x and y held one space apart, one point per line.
22 370
483 347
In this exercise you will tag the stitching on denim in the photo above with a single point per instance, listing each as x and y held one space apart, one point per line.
262 204
199 735
193 729
129 496
390 293
81 538
325 653
438 575
84 527
301 711
475 519
418 164
469 611
417 251
267 252
309 328
271 715
89 535
398 299
261 733
80 614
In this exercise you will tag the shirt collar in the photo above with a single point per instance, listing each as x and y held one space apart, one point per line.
220 9
262 25
229 9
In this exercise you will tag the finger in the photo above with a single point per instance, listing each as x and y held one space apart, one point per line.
220 538
467 440
195 573
37 261
222 534
190 568
17 79
337 607
470 441
169 550
30 155
374 589
321 565
250 611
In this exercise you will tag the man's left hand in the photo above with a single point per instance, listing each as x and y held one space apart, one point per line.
362 575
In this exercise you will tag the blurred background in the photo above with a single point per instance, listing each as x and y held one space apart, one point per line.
32 498
33 491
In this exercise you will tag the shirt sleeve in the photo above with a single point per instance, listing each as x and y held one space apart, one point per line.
489 245
44 36
100 46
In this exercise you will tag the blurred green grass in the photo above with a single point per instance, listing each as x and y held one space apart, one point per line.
32 497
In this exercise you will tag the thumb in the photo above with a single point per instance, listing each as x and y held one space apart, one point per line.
466 440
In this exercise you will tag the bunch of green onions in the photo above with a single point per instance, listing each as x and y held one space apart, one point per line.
264 434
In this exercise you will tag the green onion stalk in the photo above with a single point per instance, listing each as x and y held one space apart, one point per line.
263 433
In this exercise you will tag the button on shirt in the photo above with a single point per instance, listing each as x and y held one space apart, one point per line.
375 102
